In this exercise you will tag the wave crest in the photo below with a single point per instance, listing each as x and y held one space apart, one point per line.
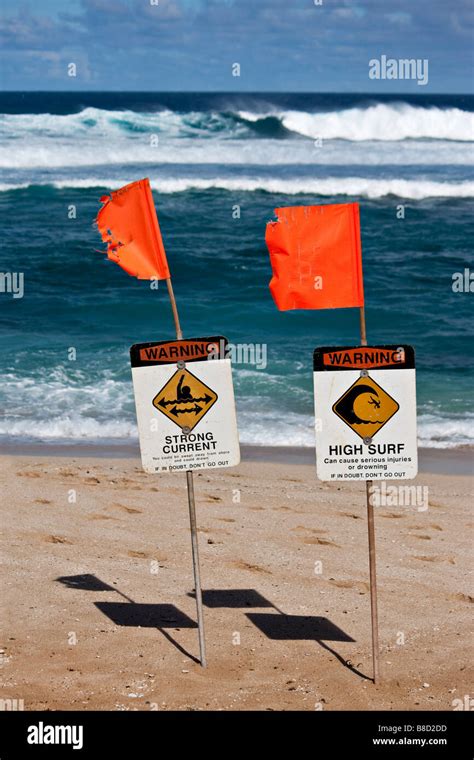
329 186
382 122
379 122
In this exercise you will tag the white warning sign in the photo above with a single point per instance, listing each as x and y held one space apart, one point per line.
185 405
365 410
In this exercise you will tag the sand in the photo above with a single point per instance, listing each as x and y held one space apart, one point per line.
98 611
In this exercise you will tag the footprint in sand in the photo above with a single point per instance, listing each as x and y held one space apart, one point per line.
130 485
320 541
147 555
361 586
219 531
349 514
57 540
393 515
101 517
138 555
314 539
66 474
241 565
308 530
128 510
460 597
424 527
436 558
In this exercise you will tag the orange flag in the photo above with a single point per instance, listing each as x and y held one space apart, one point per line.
316 258
128 224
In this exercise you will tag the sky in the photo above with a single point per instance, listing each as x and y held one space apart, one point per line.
279 45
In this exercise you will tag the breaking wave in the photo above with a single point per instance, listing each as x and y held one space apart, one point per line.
381 122
424 136
378 122
51 406
329 186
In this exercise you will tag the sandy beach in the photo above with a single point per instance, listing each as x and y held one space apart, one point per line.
98 605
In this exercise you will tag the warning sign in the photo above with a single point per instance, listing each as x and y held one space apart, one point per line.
185 399
365 409
185 405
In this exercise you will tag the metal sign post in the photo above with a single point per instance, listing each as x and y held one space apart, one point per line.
365 403
185 385
197 572
192 511
372 555
128 223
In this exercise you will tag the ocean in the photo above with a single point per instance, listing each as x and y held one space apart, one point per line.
218 165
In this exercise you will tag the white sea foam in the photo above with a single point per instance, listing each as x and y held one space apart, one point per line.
329 186
378 122
56 406
69 427
425 136
297 430
394 121
47 154
445 433
294 430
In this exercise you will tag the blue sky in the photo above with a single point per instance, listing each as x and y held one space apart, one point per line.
280 45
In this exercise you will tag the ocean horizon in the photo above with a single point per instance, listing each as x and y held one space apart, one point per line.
219 164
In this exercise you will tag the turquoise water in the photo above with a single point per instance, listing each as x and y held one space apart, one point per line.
215 153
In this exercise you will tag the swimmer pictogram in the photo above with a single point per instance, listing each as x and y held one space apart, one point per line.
185 399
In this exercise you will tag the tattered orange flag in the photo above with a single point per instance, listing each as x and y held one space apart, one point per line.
128 224
316 258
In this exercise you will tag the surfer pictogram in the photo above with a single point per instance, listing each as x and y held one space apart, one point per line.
365 407
184 399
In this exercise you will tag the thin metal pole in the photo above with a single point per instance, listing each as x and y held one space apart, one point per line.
192 509
197 573
174 309
373 583
372 555
363 331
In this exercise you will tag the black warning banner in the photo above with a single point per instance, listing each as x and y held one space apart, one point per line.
172 351
331 358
